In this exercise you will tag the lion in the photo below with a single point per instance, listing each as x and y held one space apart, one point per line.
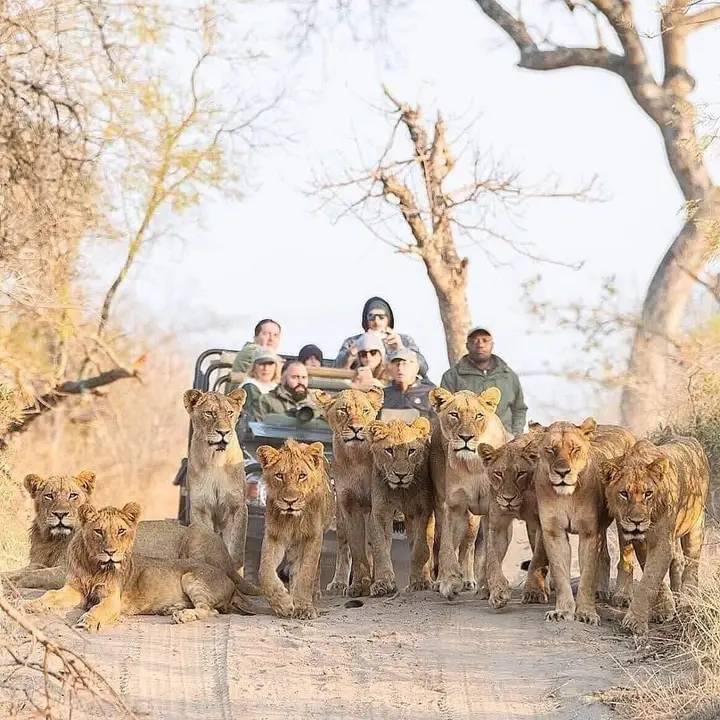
402 482
57 500
110 580
657 494
298 510
216 468
349 413
464 421
569 485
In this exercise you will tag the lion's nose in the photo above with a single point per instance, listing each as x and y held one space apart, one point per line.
466 438
291 501
110 551
562 472
59 514
401 476
355 428
509 498
222 433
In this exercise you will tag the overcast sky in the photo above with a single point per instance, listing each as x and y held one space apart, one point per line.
277 253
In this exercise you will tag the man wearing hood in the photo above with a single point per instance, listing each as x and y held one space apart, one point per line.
378 316
479 370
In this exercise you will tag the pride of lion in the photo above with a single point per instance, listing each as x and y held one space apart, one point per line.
460 481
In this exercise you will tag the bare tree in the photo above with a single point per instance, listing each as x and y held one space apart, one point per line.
667 102
415 189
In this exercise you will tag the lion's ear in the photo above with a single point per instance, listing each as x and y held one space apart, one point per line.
439 397
267 455
86 480
588 427
609 467
486 452
33 484
490 397
376 396
658 468
422 426
378 430
316 451
239 396
132 511
324 400
191 398
536 427
87 513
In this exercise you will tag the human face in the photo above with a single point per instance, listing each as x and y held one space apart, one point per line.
296 380
312 361
480 347
264 372
404 372
370 358
377 320
269 336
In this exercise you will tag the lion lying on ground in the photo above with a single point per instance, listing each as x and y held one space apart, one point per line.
57 500
105 576
402 482
349 414
298 510
464 421
657 493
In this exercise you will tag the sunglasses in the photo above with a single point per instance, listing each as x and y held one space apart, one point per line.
365 353
377 316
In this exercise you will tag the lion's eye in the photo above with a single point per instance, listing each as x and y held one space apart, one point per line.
624 495
208 414
648 494
390 452
121 532
453 414
522 475
302 476
279 476
49 496
479 416
73 496
498 474
341 411
98 532
411 451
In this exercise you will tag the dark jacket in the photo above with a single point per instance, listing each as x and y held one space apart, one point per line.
415 397
512 410
406 340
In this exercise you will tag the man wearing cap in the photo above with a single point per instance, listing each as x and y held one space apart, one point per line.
290 395
408 390
479 370
378 317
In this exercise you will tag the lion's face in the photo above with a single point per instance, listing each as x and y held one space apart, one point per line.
511 469
214 415
565 448
464 417
398 449
292 474
635 491
350 413
57 501
108 535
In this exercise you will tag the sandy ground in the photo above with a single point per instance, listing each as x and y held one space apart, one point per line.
408 657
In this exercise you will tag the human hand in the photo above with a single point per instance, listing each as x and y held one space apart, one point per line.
393 341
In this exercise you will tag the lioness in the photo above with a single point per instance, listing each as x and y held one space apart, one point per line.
464 421
349 414
402 482
657 493
569 483
298 510
216 470
57 500
104 575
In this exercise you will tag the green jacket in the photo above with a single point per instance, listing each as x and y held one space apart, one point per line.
512 409
279 400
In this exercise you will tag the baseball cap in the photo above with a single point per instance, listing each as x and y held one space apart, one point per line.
370 341
404 354
265 356
478 329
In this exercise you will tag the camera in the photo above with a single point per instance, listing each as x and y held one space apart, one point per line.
304 413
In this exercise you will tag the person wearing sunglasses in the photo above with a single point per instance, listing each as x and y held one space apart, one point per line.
378 317
370 371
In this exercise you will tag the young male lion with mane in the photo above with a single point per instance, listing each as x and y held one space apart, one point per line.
657 494
104 575
402 482
298 510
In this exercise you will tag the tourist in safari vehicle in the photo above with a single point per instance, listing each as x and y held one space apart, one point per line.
290 395
408 390
370 370
480 370
378 316
267 337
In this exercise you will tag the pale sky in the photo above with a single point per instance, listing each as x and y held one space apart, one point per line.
276 253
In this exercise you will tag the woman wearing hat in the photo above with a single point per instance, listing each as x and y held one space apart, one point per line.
263 377
370 371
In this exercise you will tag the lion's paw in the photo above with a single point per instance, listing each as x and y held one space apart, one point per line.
603 596
558 615
469 586
304 612
380 588
420 585
664 608
589 617
91 622
500 597
635 624
36 607
185 615
620 599
337 588
483 592
359 588
534 596
451 587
